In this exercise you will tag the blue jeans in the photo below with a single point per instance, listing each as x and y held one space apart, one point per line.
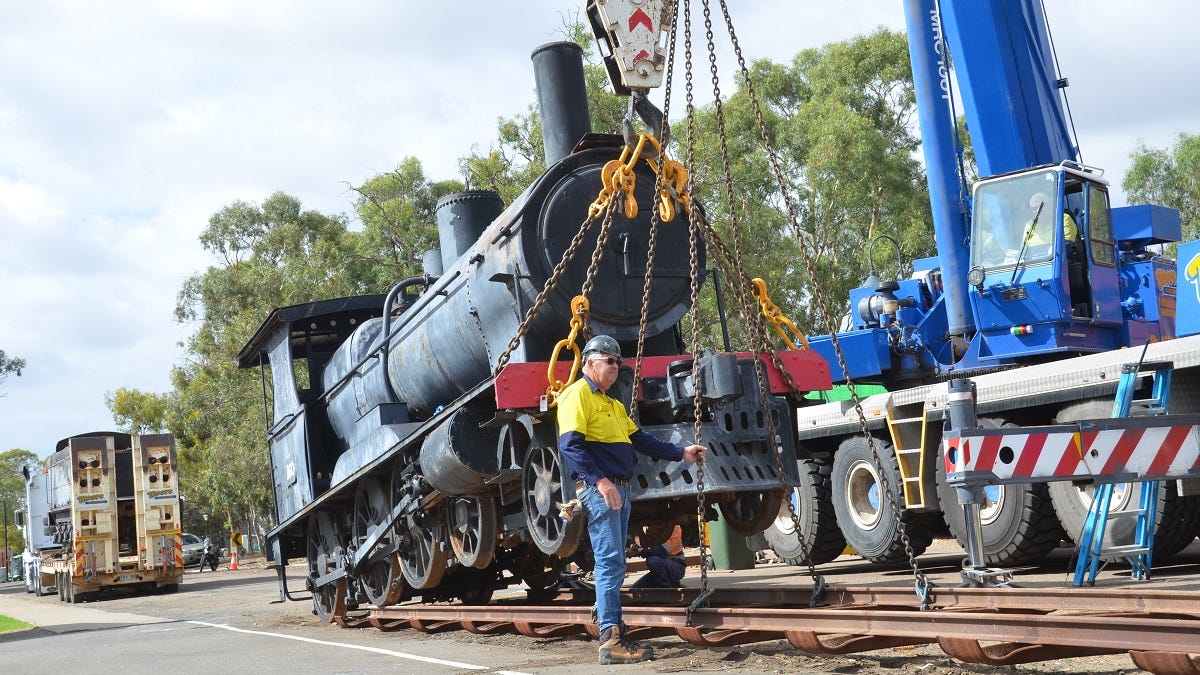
608 530
664 573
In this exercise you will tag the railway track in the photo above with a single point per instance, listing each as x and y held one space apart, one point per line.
1159 629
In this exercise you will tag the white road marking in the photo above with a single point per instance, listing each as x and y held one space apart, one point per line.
375 650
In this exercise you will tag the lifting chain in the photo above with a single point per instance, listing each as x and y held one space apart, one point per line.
551 283
580 309
668 182
619 177
923 585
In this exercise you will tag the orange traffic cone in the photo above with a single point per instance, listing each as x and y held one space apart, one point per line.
233 563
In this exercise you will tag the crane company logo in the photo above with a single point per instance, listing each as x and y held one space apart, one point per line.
1191 272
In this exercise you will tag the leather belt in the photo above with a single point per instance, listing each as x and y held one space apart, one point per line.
580 484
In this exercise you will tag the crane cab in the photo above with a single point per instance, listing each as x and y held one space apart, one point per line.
1050 272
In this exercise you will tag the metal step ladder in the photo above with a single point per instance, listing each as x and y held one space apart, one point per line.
1139 554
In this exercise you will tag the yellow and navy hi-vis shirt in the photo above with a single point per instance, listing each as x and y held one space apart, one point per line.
596 437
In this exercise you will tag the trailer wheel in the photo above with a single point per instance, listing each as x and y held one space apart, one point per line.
864 516
820 539
1178 517
1018 521
58 583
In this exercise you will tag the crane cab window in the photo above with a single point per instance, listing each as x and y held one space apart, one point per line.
1100 233
1015 219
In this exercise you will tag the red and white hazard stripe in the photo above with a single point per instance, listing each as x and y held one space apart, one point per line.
1169 451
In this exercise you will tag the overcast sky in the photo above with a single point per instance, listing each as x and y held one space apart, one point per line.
125 125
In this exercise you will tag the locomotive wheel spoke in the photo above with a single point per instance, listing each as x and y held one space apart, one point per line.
422 558
329 601
382 581
472 524
543 490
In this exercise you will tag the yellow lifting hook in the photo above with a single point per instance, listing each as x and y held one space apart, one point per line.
775 315
579 312
618 176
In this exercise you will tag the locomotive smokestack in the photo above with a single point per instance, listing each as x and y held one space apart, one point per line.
562 97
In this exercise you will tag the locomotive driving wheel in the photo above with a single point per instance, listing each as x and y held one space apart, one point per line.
544 488
329 600
472 525
382 581
419 537
749 513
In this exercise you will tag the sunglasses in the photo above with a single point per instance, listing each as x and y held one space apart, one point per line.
610 360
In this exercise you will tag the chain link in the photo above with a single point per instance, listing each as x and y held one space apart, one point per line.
655 215
551 283
818 293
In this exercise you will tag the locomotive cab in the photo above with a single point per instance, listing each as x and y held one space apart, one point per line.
296 343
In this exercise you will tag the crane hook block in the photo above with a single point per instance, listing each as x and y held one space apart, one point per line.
629 33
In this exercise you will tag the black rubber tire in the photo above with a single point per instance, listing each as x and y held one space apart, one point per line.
1020 531
876 540
58 584
1178 517
812 500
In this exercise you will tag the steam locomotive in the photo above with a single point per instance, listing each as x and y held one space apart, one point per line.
406 464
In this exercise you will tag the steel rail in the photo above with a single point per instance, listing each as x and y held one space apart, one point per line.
1150 601
1158 628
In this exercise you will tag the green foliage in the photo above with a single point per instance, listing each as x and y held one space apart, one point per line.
840 120
12 489
9 365
138 412
1168 178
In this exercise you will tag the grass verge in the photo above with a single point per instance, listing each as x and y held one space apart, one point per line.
9 624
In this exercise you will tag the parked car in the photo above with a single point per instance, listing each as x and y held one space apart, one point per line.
193 547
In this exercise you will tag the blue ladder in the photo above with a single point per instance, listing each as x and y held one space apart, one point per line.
1139 554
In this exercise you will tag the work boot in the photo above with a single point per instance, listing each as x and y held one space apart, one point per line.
615 647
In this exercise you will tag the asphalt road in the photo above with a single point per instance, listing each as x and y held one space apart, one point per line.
226 622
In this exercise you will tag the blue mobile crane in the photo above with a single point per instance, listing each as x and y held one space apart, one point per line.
1037 286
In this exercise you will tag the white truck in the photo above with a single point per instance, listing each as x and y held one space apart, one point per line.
103 513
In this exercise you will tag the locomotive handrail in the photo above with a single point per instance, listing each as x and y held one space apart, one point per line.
381 351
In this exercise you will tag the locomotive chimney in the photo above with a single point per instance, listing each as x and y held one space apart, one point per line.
461 218
562 97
